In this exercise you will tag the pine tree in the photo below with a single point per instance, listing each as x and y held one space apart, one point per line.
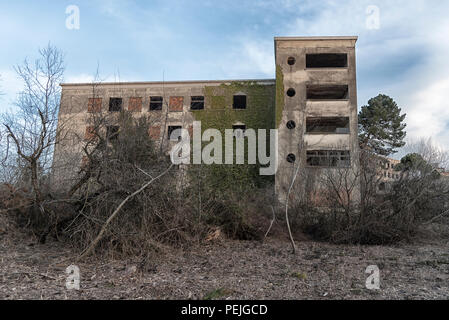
381 126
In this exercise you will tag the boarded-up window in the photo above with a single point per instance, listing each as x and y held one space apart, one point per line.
94 105
135 104
176 104
328 158
90 133
155 132
84 162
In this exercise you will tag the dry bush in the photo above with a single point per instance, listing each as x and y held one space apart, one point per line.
420 196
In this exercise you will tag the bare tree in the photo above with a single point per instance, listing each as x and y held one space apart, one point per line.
33 128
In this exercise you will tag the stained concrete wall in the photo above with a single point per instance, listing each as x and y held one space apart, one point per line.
298 108
74 115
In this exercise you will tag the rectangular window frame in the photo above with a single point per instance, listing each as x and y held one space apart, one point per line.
332 159
115 104
156 103
197 103
327 125
313 61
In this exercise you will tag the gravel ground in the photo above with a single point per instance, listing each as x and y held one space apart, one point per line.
231 270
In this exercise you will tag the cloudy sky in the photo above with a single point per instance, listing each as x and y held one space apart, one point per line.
404 55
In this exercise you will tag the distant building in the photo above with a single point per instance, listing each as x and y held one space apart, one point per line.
387 173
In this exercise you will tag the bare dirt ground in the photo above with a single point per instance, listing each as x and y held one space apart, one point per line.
230 270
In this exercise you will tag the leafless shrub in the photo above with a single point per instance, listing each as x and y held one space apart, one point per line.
421 195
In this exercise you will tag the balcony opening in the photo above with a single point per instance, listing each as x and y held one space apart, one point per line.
327 60
327 92
327 125
328 158
239 102
156 103
115 104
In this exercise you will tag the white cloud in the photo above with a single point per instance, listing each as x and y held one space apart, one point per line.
406 28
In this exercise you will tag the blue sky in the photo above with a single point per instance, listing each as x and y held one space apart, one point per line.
406 57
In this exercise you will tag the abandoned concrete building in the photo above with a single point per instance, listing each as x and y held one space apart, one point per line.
312 101
388 174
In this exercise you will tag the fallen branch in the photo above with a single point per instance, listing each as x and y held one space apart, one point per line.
94 243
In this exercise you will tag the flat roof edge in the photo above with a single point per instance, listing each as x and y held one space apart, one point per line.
167 82
316 38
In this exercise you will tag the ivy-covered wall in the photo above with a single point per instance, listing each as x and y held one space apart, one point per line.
219 114
279 95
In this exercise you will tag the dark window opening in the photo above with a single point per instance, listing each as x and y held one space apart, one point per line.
112 133
115 104
291 61
327 92
197 103
171 129
326 158
327 60
291 92
156 103
239 102
382 186
333 125
291 158
291 125
239 130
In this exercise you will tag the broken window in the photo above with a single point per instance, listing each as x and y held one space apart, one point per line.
333 125
382 186
115 104
327 60
328 158
112 132
156 103
239 130
197 103
239 102
171 129
327 92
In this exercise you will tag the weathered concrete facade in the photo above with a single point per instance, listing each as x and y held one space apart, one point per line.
312 101
306 78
